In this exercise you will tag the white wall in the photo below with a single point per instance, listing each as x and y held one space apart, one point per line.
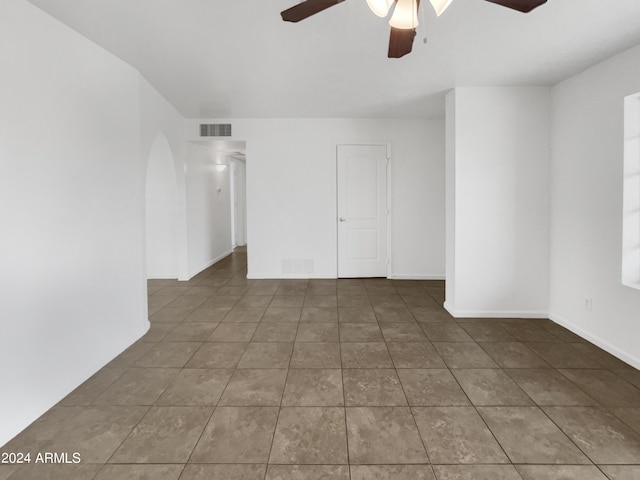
586 199
240 201
208 209
498 261
159 119
291 191
161 209
71 250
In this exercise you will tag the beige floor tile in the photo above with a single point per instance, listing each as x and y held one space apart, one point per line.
528 436
140 472
233 332
320 300
621 472
208 314
360 332
275 332
391 472
55 472
317 332
255 387
629 415
223 472
223 301
398 314
237 435
356 301
242 314
319 315
137 386
605 386
282 315
392 300
548 387
356 315
560 472
217 355
464 355
87 393
94 432
562 355
310 435
130 355
159 331
476 472
266 355
513 355
487 332
307 472
196 387
402 332
446 332
431 388
415 355
490 387
168 355
604 438
314 388
365 355
293 287
383 435
164 435
6 470
316 355
457 435
288 301
191 332
372 387
604 359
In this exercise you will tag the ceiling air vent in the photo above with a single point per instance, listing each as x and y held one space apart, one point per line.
215 129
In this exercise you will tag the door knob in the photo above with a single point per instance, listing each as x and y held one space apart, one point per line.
342 219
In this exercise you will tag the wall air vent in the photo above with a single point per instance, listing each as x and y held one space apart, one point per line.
215 129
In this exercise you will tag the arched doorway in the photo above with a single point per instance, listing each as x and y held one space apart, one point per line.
161 200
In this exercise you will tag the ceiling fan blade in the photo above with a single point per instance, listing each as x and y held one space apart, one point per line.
520 5
306 9
400 42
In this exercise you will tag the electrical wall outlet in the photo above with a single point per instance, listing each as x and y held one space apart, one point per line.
588 305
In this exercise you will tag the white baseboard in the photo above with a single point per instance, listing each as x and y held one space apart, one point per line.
284 276
416 276
495 313
616 352
162 276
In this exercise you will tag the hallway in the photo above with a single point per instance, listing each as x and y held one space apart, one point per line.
340 379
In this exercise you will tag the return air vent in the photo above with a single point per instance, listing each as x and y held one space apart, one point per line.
215 129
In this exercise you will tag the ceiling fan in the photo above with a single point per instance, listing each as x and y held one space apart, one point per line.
404 19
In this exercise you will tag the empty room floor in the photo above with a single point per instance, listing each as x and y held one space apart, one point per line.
340 379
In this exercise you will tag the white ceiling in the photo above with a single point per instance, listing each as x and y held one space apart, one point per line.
237 58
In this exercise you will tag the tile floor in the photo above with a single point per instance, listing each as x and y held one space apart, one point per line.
348 379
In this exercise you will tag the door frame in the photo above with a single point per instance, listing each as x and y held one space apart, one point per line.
388 198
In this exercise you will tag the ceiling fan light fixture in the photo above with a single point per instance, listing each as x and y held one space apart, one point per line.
380 7
440 5
405 15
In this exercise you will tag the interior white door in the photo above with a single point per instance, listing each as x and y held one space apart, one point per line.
362 211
